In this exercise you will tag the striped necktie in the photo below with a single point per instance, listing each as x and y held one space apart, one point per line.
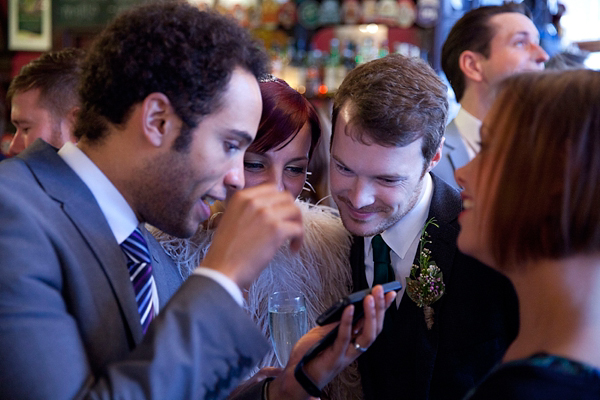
140 273
382 265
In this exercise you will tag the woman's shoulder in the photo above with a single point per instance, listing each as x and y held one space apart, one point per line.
321 217
323 228
540 376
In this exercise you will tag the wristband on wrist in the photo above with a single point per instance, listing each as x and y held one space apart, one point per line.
307 384
265 392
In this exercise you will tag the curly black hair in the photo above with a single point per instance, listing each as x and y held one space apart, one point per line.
171 48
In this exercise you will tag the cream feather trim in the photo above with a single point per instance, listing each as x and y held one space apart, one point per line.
321 270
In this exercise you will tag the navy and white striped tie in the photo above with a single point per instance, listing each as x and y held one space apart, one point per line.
140 273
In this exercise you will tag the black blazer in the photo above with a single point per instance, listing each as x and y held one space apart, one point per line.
474 321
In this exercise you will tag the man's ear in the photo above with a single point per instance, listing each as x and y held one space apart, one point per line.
437 156
469 63
71 119
157 118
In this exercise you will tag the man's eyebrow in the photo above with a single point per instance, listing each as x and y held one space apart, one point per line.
393 177
243 136
527 34
337 160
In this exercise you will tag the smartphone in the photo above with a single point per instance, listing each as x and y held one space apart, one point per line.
334 313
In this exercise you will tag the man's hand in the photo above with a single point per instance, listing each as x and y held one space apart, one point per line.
257 221
324 367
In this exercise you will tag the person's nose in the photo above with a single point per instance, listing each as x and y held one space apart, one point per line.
234 178
460 175
17 144
539 54
361 193
275 177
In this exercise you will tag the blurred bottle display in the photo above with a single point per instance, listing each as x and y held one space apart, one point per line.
313 44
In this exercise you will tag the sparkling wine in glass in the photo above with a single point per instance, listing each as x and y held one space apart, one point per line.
287 322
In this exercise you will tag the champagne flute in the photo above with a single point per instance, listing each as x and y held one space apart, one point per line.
288 322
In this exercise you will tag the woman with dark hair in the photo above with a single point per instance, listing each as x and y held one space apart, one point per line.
288 133
531 210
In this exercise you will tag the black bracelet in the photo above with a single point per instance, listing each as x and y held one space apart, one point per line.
265 391
304 381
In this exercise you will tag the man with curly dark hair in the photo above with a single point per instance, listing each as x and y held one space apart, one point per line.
90 306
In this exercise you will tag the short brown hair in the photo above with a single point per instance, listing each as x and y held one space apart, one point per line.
395 100
472 32
56 74
544 146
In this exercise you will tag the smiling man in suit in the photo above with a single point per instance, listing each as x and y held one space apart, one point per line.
388 122
484 46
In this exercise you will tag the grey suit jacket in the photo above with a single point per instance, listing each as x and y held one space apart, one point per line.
454 156
69 327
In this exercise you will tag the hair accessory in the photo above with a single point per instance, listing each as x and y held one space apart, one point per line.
267 78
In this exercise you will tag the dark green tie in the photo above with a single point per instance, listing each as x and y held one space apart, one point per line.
383 271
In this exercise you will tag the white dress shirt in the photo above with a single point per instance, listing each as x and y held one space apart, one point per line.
468 126
120 216
403 239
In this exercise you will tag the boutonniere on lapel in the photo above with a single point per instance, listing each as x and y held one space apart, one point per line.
425 285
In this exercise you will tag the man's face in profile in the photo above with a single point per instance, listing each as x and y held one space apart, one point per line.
514 47
32 120
184 183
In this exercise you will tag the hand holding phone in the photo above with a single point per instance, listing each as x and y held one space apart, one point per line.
331 358
334 313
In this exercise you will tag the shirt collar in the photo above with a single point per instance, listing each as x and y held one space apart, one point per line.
401 235
116 210
469 127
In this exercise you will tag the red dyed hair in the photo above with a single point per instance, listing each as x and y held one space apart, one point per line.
285 111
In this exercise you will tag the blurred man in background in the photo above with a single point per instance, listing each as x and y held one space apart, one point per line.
44 99
485 46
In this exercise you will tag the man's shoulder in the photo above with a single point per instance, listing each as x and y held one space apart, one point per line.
446 203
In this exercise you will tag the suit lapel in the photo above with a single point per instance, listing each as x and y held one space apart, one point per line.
63 185
445 207
456 149
166 275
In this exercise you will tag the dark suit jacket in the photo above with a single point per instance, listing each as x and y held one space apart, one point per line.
454 155
69 325
474 321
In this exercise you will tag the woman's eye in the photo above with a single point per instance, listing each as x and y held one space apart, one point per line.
252 166
296 170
